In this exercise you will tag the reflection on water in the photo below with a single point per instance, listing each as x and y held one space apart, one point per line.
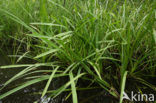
22 95
25 95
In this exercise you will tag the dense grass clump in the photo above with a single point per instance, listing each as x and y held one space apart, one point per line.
109 44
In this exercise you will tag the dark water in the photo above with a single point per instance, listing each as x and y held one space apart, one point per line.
22 95
25 95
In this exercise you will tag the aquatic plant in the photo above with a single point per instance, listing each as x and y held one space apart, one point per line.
104 43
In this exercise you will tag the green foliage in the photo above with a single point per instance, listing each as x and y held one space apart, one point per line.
102 42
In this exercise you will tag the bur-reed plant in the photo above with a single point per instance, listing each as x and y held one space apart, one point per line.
105 43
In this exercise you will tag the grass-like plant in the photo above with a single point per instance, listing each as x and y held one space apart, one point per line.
101 42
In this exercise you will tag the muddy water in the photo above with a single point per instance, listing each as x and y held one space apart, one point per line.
6 74
25 95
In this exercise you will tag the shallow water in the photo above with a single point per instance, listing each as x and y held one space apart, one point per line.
6 74
23 96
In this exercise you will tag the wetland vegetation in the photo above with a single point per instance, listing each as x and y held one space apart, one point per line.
76 51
